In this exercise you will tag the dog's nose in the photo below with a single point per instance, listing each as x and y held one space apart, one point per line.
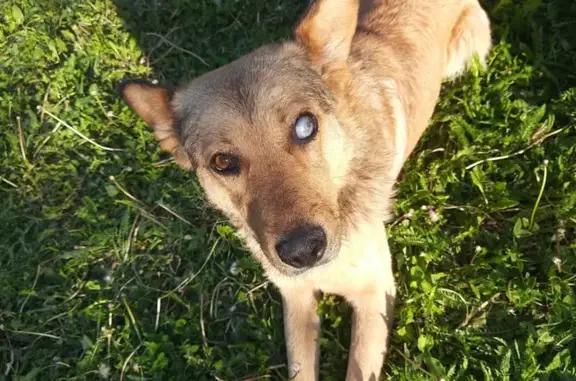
302 247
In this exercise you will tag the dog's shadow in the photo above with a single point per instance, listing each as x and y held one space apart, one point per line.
181 39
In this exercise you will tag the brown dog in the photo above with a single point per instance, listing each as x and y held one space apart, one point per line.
299 144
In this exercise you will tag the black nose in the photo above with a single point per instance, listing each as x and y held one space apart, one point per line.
303 246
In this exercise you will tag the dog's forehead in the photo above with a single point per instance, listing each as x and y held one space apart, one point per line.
258 87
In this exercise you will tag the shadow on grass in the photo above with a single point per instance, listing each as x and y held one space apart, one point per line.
181 39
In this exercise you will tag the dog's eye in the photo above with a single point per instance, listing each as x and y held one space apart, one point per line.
225 163
305 128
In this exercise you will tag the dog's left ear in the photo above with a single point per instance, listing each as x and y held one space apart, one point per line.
153 104
326 31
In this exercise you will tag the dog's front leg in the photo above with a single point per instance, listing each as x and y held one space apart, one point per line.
371 322
301 329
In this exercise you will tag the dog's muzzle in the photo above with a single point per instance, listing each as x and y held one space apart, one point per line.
303 246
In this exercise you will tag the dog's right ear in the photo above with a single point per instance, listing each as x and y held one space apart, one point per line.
152 103
326 31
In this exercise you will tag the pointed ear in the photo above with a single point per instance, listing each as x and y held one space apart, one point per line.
326 31
152 103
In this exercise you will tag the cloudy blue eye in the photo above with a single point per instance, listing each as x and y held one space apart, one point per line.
305 127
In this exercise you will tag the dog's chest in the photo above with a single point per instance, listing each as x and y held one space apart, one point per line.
355 270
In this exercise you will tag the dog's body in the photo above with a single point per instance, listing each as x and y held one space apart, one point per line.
300 143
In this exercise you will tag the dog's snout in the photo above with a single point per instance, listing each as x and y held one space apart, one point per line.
303 246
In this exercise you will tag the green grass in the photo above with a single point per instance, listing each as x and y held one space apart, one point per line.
132 277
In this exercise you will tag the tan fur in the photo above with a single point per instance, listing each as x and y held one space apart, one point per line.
370 72
327 31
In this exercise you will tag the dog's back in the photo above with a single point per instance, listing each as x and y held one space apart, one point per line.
415 43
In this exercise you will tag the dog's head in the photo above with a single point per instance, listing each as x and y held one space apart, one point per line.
265 137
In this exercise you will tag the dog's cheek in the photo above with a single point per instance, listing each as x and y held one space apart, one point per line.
220 197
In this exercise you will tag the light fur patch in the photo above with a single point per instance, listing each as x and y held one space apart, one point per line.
336 153
400 124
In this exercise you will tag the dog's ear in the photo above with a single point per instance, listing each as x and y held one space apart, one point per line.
152 103
326 31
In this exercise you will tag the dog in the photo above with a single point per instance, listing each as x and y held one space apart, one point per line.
299 144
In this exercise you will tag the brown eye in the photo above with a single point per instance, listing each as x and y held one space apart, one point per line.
225 163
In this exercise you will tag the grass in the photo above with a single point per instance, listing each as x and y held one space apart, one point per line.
112 267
